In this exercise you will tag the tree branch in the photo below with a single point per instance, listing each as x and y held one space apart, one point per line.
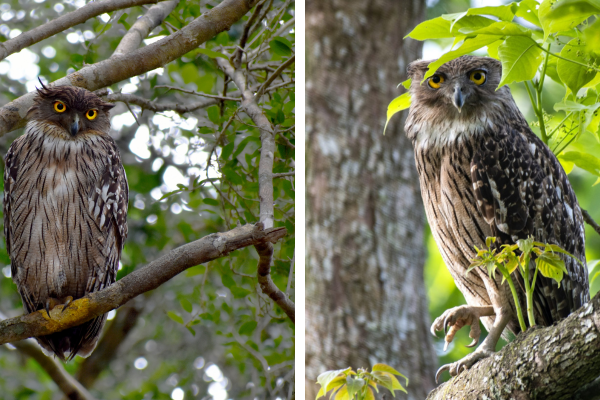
139 281
158 107
116 69
589 220
545 363
66 21
143 26
275 74
65 382
265 251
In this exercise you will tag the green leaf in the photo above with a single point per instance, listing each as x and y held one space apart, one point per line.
342 394
281 46
520 59
186 305
489 241
327 378
505 13
501 28
573 75
247 328
227 280
192 331
227 150
238 292
211 53
384 379
388 369
468 46
592 37
398 104
563 15
440 27
525 245
175 317
211 202
354 386
551 266
528 10
584 161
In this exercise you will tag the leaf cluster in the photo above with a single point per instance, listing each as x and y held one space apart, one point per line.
346 384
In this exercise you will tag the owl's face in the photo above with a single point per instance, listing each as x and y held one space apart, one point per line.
460 88
76 110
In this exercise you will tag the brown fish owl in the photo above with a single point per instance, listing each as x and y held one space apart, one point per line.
483 172
65 209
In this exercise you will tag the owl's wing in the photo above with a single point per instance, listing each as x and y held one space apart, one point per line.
522 190
11 169
107 205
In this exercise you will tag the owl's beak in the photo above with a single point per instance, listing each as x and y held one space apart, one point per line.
458 99
75 125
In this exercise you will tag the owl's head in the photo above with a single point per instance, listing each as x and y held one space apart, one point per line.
460 88
76 110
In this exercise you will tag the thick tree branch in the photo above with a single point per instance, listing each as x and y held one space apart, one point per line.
140 281
143 26
590 221
543 363
66 21
72 389
265 251
116 69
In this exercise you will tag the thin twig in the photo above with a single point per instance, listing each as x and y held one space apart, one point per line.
284 174
210 96
275 74
590 221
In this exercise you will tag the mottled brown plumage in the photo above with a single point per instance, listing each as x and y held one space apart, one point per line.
483 172
65 209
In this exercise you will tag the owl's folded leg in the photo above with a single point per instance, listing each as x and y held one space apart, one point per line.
52 302
486 349
457 317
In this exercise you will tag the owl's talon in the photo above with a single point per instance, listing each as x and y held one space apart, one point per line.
440 372
432 330
473 343
67 302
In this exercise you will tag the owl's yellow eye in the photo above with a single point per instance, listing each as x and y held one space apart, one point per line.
478 77
59 106
435 81
91 114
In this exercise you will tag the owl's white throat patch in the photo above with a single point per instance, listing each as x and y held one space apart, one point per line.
438 133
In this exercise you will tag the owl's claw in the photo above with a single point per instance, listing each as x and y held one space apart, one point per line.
67 301
473 343
452 320
464 364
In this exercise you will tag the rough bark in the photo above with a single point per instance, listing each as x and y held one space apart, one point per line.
548 363
365 295
139 281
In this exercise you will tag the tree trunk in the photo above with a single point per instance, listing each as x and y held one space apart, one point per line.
365 297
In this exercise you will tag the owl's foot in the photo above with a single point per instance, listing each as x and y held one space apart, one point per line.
465 363
457 317
52 302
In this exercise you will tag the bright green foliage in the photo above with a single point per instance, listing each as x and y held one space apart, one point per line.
547 262
563 44
345 384
190 175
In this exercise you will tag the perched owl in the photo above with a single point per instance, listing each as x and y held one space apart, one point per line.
65 209
483 172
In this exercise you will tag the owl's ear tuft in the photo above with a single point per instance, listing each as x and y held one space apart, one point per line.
106 106
416 66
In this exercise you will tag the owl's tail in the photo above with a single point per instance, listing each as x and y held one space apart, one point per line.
80 340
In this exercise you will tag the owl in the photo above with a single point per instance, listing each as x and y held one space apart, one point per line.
65 209
483 172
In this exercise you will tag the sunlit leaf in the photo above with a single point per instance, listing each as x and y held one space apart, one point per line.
354 385
175 317
398 104
520 59
551 266
557 16
575 76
